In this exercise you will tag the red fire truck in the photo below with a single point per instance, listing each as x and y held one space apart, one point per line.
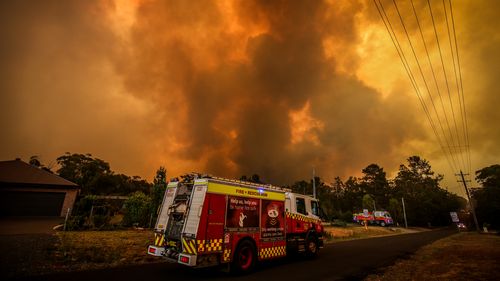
381 218
208 221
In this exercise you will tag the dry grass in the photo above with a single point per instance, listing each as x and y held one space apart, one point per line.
357 232
95 249
464 256
27 255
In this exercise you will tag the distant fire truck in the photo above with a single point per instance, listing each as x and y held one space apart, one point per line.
208 221
381 218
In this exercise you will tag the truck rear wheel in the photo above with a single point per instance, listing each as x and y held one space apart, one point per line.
244 258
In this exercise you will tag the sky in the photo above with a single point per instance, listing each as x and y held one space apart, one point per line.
228 88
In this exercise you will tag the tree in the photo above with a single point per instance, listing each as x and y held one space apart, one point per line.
374 182
368 202
137 210
352 195
159 187
82 169
94 176
35 161
489 176
426 203
488 197
395 209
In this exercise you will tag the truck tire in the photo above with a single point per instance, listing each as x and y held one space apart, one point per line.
382 224
312 247
244 258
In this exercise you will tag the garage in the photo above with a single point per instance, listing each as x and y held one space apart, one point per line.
15 203
26 190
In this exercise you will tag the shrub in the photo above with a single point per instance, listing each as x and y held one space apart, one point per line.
137 210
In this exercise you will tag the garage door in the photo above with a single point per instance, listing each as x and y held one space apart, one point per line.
15 203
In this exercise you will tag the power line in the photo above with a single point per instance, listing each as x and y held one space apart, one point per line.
457 84
462 89
406 65
453 149
445 76
425 83
431 67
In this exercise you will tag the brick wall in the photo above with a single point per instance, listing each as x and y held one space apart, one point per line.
69 201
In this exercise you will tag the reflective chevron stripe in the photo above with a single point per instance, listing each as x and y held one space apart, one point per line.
159 239
188 246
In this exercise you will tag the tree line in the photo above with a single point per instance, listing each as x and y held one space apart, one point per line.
426 202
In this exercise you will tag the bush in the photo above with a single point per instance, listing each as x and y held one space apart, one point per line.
75 223
89 213
342 216
137 210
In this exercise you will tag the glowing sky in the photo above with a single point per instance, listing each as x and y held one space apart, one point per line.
236 87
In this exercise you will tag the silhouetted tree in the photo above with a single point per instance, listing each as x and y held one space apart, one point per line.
374 182
425 202
488 197
159 187
368 202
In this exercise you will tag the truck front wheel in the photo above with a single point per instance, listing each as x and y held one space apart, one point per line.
312 247
244 258
382 224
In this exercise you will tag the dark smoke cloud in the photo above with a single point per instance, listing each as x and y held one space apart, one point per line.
57 84
229 87
286 68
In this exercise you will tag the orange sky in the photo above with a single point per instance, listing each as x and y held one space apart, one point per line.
240 87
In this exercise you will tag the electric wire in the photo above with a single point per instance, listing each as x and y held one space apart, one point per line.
430 63
406 65
462 149
455 151
467 139
445 75
426 84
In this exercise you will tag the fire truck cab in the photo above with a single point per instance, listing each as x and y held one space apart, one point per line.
208 221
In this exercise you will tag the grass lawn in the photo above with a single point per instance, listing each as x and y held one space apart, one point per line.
464 256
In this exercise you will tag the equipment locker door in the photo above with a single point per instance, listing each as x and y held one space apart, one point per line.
216 216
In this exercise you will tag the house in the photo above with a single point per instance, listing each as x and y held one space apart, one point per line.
26 190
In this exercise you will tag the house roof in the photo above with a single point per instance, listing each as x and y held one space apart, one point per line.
20 172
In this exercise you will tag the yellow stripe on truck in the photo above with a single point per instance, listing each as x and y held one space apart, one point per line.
189 246
159 238
245 191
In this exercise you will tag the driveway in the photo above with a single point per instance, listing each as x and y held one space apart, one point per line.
28 225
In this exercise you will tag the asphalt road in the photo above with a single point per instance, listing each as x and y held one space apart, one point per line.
350 260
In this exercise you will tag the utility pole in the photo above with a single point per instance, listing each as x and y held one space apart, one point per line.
314 184
468 197
404 211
